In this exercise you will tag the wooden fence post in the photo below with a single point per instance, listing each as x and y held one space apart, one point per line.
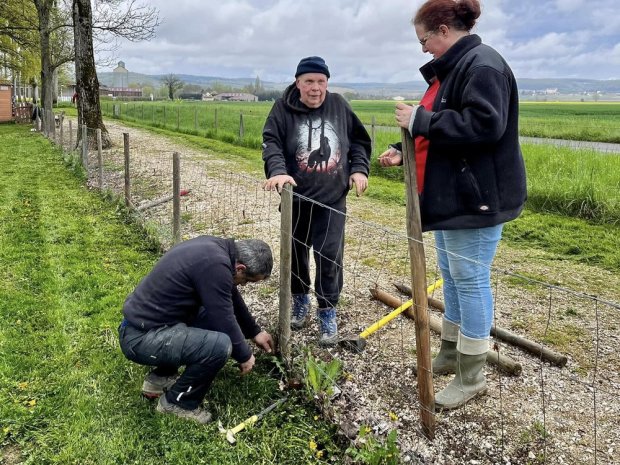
178 117
45 118
176 197
241 128
70 136
52 125
99 159
127 178
286 236
85 147
372 135
418 286
62 132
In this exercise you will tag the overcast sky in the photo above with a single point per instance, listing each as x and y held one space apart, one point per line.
370 40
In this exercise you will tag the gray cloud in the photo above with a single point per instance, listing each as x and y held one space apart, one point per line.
369 40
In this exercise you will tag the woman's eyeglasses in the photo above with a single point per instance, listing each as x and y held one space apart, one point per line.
424 39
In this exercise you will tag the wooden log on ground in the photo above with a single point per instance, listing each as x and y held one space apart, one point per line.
532 347
504 362
154 203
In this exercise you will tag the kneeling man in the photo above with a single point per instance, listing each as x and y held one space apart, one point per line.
188 312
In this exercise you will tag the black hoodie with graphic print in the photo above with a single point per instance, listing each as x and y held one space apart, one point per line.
320 148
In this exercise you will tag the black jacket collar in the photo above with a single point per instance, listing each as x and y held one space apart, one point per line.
440 67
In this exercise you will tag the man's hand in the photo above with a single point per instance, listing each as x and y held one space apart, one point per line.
391 157
246 367
277 182
264 341
361 183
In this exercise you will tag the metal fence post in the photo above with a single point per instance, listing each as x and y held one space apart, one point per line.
286 237
176 197
127 178
418 286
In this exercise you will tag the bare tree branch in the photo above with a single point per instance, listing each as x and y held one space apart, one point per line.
134 22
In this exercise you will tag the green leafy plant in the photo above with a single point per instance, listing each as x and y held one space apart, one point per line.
321 377
372 451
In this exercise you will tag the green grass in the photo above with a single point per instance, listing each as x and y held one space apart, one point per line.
68 259
577 183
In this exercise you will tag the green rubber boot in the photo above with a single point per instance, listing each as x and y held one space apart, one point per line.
445 361
469 380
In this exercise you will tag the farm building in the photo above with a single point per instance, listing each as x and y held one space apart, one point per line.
119 92
236 97
6 102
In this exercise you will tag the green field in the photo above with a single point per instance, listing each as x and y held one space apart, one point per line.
598 122
580 183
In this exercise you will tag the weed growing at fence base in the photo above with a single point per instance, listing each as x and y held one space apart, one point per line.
67 394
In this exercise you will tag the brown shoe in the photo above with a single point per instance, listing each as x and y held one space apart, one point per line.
199 415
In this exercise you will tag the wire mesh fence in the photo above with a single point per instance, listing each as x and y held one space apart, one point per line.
553 366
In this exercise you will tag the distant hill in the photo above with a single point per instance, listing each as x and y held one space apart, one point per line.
410 89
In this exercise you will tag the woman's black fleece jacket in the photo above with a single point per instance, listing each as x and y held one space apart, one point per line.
475 174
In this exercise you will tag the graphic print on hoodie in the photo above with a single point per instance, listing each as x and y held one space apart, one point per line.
318 147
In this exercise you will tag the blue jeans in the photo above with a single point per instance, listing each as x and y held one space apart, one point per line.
465 257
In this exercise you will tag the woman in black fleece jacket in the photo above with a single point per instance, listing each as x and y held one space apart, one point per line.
470 176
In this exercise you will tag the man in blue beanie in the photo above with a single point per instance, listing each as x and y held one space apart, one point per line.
313 141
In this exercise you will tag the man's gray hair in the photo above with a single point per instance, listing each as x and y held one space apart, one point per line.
256 256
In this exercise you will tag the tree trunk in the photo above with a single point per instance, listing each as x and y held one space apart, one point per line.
89 108
43 11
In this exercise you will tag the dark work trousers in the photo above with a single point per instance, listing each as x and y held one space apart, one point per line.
322 229
202 352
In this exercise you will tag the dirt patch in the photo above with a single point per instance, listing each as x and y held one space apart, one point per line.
10 455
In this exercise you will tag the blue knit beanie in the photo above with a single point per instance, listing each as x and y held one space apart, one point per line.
312 65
